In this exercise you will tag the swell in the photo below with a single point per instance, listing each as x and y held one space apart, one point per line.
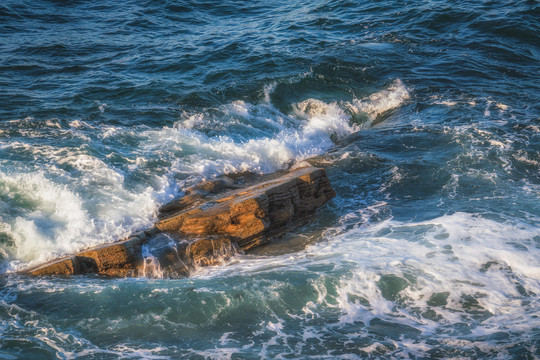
129 69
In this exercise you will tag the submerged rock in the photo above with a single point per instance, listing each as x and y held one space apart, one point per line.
208 225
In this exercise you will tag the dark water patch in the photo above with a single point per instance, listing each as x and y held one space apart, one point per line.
438 299
391 285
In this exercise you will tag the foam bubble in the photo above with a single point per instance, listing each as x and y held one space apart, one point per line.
376 104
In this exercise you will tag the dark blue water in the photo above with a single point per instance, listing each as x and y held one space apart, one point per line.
426 116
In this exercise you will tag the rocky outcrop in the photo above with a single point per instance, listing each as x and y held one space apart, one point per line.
207 226
248 215
121 258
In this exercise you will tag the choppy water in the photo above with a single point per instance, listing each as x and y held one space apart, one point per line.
427 117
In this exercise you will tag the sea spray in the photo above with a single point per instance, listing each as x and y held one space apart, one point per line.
313 128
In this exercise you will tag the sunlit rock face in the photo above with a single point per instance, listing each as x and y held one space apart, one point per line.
208 225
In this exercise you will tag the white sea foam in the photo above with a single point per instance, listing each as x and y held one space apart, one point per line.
374 105
479 267
461 254
278 139
56 217
448 103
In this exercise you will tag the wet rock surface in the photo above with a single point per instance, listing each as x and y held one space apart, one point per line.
206 226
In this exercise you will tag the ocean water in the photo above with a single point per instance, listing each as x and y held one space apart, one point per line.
426 116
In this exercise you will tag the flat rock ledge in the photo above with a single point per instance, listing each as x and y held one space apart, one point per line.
206 226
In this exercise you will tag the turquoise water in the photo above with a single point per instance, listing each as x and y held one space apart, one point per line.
426 116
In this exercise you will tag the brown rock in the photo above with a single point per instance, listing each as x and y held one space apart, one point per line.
206 226
210 251
164 256
117 259
64 266
249 214
196 194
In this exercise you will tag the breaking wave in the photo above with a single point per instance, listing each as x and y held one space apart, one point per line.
111 181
